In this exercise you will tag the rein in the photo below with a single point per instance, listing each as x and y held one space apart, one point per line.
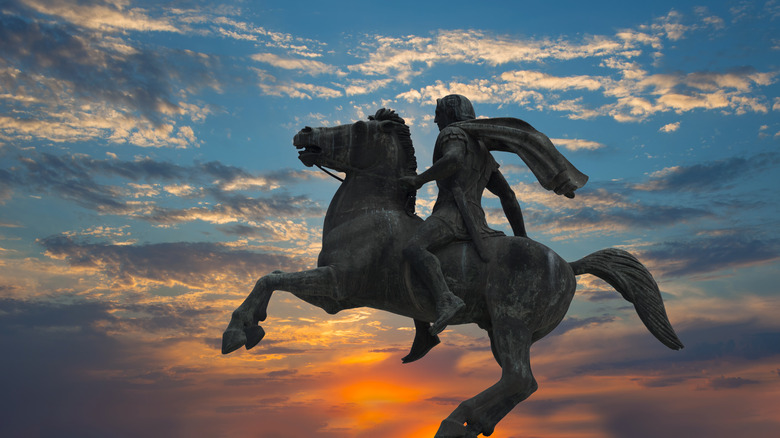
328 172
352 169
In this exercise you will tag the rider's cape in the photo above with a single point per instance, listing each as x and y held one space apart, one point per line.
508 134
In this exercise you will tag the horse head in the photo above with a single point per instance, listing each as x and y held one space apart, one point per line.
380 146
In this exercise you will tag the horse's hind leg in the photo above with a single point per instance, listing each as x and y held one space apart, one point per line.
243 328
511 341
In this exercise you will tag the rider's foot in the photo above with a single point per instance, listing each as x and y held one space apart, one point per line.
446 308
423 342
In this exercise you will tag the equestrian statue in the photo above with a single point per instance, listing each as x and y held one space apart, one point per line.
450 268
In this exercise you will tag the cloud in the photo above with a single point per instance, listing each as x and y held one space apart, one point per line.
308 66
225 21
572 323
406 57
68 83
294 89
709 176
593 210
575 144
711 253
103 15
195 265
634 97
539 80
79 179
708 19
670 127
93 362
730 382
259 212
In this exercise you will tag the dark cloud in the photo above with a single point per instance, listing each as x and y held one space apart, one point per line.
222 171
646 216
665 381
746 341
192 264
65 376
7 182
640 417
53 169
599 295
730 382
732 249
710 176
69 179
707 343
571 323
241 230
78 179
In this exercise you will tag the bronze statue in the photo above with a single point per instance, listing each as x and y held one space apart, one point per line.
517 289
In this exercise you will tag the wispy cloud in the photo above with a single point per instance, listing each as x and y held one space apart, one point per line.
114 15
68 83
78 179
308 66
197 265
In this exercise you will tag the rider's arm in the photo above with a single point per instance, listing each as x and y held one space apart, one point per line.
500 187
453 153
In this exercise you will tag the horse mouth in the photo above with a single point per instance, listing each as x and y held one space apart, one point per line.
308 154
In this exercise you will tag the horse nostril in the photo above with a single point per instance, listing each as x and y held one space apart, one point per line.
306 129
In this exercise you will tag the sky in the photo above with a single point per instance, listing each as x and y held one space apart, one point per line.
148 178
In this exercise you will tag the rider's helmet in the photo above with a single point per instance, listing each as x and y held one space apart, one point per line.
453 108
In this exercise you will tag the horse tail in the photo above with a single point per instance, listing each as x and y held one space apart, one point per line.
635 283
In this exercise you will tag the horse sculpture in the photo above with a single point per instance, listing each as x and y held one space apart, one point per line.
518 298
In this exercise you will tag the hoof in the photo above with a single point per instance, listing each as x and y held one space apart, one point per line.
253 336
451 429
232 340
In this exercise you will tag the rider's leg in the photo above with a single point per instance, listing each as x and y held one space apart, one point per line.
432 234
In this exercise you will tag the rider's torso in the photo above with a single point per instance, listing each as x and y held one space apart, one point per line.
472 177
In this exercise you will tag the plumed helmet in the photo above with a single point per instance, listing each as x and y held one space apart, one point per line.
457 108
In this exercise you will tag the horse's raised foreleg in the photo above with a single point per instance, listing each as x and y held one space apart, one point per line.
511 342
243 329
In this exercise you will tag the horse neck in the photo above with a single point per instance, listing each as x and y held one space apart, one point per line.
365 192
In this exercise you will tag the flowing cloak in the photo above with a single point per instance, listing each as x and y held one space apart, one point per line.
508 134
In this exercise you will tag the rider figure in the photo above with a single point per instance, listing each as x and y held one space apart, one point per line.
463 168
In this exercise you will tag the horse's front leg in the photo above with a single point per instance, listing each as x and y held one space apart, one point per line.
243 328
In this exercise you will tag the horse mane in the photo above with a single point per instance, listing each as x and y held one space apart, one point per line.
405 139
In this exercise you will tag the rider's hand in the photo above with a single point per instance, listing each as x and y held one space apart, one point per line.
409 183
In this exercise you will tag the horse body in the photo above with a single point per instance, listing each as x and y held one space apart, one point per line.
518 297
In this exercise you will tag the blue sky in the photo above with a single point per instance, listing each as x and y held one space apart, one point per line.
148 178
